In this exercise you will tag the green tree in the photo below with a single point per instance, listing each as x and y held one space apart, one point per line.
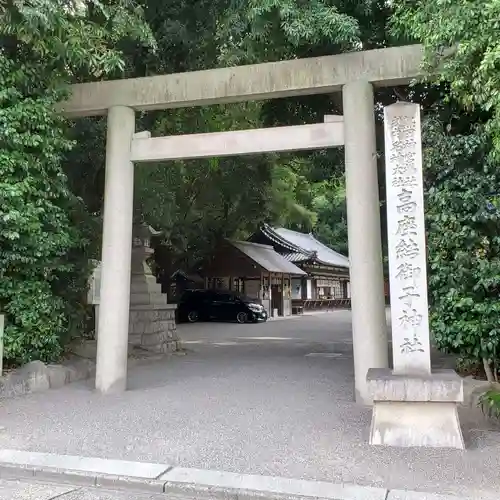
280 189
463 222
45 44
330 205
270 30
277 188
461 44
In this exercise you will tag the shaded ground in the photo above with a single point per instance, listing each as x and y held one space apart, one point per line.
272 399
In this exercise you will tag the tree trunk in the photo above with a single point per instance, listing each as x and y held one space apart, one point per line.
488 371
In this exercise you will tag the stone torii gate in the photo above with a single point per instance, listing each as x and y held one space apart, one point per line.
354 74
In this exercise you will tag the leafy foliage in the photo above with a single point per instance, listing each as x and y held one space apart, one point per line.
71 36
329 203
36 232
257 30
460 39
463 218
189 200
490 403
43 262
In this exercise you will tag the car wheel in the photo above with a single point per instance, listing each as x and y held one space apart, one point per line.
242 317
193 316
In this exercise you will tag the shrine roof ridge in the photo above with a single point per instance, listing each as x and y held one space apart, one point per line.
271 233
295 242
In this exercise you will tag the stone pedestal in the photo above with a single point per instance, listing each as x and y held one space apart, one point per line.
152 320
152 327
412 405
417 410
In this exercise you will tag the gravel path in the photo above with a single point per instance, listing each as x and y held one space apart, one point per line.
272 399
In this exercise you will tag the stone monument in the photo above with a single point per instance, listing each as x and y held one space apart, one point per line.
413 406
152 320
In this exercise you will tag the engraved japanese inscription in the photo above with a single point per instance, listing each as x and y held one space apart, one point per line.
406 238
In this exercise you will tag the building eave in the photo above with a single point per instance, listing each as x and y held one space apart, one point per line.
269 232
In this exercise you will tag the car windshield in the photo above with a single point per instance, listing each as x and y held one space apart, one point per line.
246 299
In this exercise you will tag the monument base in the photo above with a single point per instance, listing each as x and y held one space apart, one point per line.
415 410
152 327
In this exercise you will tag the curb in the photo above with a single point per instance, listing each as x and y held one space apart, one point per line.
223 485
198 483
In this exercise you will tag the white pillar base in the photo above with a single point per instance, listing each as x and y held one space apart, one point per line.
416 410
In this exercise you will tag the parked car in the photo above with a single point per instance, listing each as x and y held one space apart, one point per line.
205 305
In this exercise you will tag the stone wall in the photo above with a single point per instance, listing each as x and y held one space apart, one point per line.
153 328
36 377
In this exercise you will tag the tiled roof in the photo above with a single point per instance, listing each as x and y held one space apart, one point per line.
267 258
294 251
309 243
303 247
296 257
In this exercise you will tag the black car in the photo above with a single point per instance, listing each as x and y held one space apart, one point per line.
199 305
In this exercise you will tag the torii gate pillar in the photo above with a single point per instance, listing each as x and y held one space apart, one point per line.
112 346
369 326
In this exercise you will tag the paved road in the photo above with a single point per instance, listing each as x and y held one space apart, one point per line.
30 490
273 399
326 328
